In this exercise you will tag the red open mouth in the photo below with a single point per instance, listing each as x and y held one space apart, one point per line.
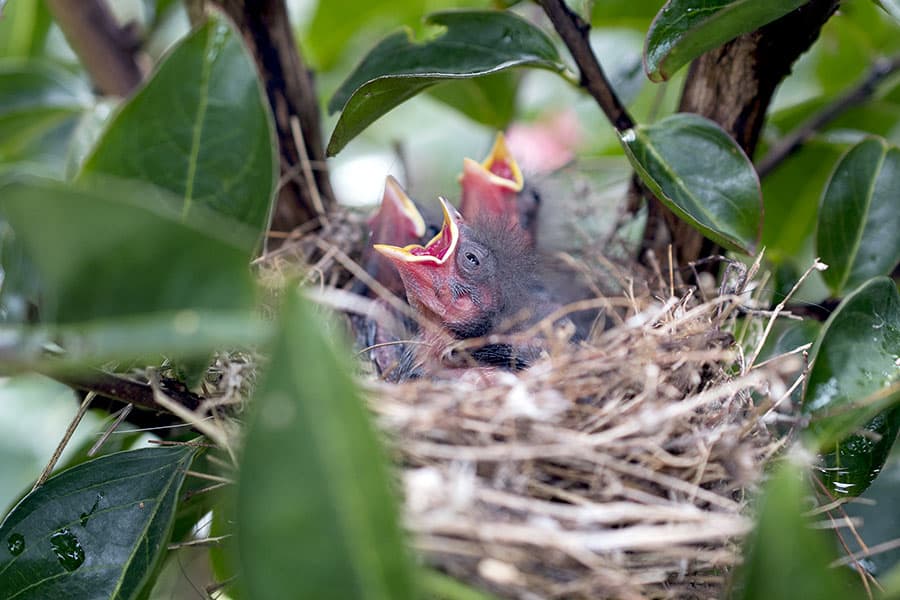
437 250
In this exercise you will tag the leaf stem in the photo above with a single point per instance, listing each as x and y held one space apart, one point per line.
574 32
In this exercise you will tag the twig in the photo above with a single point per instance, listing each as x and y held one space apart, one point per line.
120 418
64 441
791 143
574 32
106 50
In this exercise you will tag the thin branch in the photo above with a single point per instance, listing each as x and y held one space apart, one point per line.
123 389
106 49
882 69
73 425
574 31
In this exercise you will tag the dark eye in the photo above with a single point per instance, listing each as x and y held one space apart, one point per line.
473 260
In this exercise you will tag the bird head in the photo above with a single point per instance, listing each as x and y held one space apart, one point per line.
465 278
397 221
490 188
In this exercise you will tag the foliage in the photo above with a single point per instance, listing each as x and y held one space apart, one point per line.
166 200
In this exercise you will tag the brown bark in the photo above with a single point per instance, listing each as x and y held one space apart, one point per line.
733 85
106 50
306 194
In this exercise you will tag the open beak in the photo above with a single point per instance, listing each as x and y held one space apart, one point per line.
436 252
397 220
490 188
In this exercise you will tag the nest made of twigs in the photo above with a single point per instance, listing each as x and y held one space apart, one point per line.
618 467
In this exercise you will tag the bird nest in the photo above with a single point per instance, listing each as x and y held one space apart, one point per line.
614 468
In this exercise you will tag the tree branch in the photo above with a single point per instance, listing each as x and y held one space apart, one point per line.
882 69
733 86
574 31
289 86
105 49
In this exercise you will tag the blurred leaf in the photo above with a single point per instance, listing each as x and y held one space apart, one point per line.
474 43
489 100
97 530
439 586
336 21
613 12
891 7
673 158
855 375
685 29
24 25
114 254
324 523
199 128
784 557
35 98
891 584
859 218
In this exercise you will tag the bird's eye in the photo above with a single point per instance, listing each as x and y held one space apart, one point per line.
473 260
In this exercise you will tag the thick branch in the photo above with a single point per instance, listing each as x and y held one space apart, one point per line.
574 31
291 93
106 50
856 95
733 85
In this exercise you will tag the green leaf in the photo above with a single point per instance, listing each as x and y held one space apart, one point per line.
23 28
489 100
199 128
122 253
97 530
337 21
471 44
35 99
859 217
854 384
323 522
674 158
891 7
685 29
784 557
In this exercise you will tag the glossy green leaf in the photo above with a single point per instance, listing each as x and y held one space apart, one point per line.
199 128
685 29
702 175
854 384
891 7
316 514
784 557
97 530
36 98
489 100
859 217
122 253
24 25
471 44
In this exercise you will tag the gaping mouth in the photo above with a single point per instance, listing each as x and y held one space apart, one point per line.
437 250
501 168
405 206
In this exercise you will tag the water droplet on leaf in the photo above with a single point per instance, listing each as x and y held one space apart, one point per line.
16 544
67 549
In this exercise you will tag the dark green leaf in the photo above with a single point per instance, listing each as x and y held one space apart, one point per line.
489 100
784 557
685 29
316 514
859 218
35 99
791 195
473 43
702 175
116 254
199 128
97 530
855 376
